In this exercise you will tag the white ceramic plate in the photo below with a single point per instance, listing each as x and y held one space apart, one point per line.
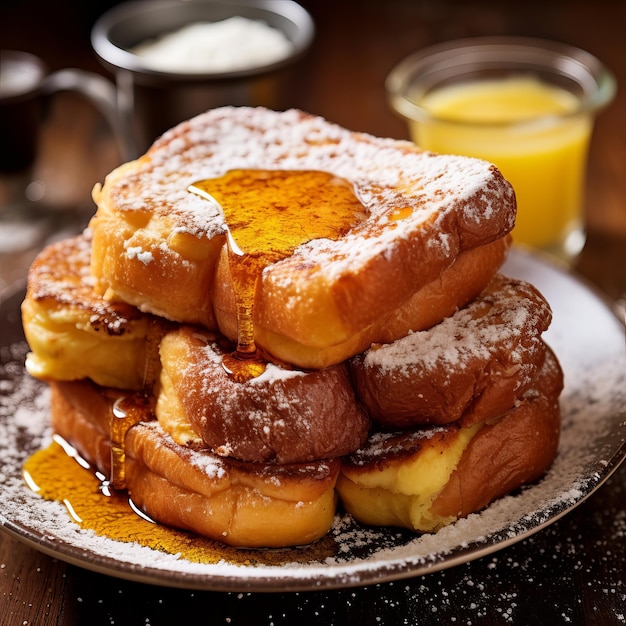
585 334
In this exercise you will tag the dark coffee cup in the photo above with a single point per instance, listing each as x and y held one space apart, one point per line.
21 80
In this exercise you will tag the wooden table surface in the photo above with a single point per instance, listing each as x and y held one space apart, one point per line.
572 572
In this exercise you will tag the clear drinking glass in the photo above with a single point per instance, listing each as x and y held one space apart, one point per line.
526 105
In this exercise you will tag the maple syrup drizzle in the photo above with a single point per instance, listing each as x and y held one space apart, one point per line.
125 413
269 213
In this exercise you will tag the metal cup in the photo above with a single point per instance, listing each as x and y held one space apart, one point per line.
150 101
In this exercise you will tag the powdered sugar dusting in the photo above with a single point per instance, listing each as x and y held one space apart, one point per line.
283 415
497 320
594 431
136 252
387 175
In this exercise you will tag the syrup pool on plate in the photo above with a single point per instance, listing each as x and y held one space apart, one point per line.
532 132
57 472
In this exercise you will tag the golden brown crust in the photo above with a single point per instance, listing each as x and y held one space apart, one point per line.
457 284
245 505
159 247
470 367
282 416
241 504
73 333
172 279
514 451
486 461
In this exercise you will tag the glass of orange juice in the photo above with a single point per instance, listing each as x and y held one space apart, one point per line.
526 105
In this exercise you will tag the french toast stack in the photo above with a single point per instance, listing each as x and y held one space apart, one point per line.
269 314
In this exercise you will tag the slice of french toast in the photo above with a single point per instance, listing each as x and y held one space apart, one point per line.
161 247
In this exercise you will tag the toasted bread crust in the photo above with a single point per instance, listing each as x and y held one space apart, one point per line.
74 333
80 412
474 464
283 416
241 504
454 287
508 453
159 247
471 367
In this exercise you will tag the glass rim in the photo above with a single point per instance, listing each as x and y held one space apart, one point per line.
460 57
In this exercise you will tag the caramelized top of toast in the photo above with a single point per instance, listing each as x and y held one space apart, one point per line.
60 278
402 188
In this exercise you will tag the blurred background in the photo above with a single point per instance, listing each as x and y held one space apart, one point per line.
357 43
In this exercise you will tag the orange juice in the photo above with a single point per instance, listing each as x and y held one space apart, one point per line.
529 129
